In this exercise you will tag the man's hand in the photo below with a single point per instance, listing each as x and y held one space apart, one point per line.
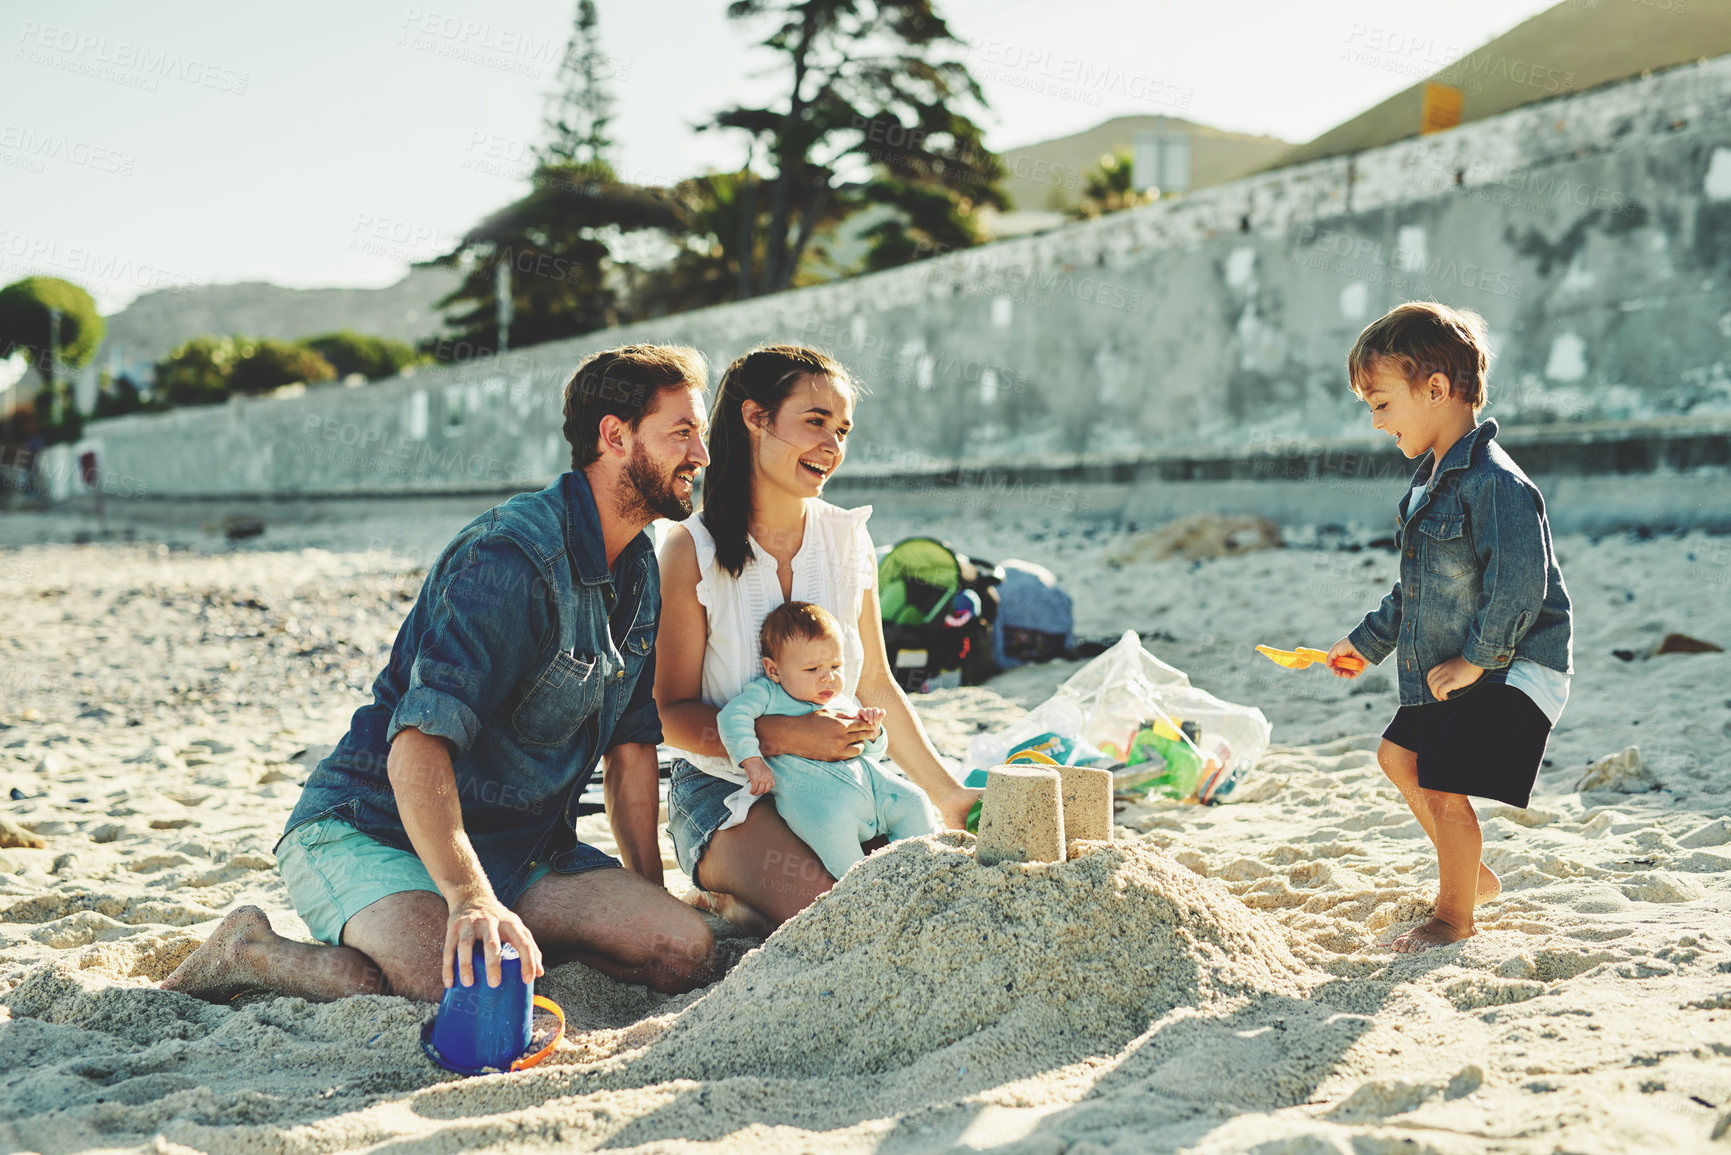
873 716
1345 649
821 736
485 919
759 775
1454 674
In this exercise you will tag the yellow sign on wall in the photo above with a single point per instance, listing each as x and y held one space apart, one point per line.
1442 108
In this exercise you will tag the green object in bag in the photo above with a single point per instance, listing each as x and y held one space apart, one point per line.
1183 765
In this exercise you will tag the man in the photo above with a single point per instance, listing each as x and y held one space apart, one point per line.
444 817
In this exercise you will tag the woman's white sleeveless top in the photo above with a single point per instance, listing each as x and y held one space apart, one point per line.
836 567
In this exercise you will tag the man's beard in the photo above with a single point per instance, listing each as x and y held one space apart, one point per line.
650 494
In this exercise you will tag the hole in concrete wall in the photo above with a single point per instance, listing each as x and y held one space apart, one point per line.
417 420
454 409
1244 223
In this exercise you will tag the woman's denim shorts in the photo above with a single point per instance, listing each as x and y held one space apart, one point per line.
696 807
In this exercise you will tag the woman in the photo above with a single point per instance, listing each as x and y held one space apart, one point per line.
764 537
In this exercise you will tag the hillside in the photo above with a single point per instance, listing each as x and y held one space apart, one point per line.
155 323
1046 176
1569 48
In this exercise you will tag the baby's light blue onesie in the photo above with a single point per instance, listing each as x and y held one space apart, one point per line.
832 806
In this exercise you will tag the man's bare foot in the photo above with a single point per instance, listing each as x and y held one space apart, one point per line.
224 966
1489 885
745 917
1436 932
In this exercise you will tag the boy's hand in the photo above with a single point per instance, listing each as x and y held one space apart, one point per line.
759 775
873 716
1454 674
1345 649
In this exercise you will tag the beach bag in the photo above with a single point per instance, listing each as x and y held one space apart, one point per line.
1036 618
938 607
1098 715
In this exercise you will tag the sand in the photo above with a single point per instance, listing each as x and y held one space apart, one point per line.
1215 981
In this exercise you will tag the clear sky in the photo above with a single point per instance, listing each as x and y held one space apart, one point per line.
330 142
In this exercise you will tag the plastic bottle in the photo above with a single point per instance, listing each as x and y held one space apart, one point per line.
1219 776
985 750
1178 749
1057 716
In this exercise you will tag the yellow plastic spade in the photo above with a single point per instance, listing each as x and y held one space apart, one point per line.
1305 656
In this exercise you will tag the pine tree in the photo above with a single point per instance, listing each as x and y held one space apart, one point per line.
580 110
874 85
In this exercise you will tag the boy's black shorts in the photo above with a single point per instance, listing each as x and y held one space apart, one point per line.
1487 741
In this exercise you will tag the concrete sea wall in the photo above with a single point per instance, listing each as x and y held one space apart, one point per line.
1593 232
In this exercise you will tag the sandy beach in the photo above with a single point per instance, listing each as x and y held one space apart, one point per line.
1217 980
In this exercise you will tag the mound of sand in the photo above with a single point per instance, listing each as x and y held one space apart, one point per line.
1195 536
925 963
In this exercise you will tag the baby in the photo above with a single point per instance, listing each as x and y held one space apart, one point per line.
832 806
1479 621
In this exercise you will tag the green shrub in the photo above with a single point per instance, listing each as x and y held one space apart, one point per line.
197 372
270 363
372 357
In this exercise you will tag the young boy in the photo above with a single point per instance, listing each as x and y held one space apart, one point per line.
832 806
1479 618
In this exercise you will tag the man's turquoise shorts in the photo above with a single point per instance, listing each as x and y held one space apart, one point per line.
333 872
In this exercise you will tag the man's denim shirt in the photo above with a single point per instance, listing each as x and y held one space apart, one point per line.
531 659
1478 576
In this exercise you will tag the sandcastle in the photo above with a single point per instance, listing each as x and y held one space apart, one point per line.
1031 812
1087 794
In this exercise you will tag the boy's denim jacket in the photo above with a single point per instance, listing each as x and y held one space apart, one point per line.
1478 576
531 659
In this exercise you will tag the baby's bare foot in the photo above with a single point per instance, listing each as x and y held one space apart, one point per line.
1489 885
224 966
1436 932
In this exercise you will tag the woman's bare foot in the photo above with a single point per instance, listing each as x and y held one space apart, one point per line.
745 917
1489 885
226 964
1436 932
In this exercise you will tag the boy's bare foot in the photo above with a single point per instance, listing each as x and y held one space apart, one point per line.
741 915
224 966
1489 885
1436 932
